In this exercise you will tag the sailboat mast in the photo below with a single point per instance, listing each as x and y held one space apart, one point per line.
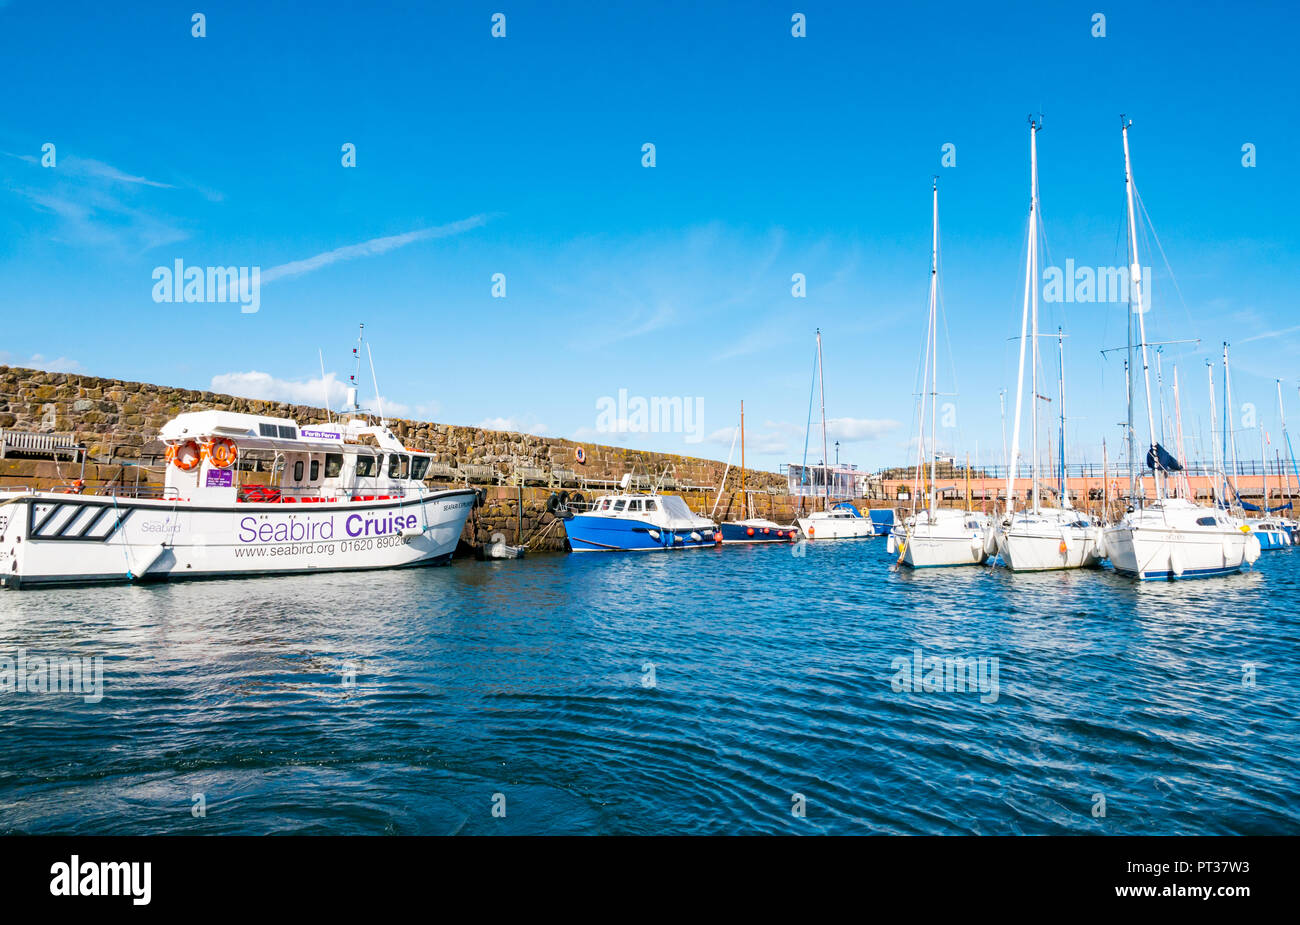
744 497
1060 359
1030 284
1178 437
1033 337
934 343
1135 285
1229 431
1217 481
821 376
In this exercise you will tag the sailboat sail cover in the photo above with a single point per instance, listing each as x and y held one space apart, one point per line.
1160 458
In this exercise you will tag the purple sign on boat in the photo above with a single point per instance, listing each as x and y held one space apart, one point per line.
220 478
319 433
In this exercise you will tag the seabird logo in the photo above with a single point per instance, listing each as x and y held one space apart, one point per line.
103 878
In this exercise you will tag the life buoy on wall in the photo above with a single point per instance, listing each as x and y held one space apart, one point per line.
581 455
222 451
184 456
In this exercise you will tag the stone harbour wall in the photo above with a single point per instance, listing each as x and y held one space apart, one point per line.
118 423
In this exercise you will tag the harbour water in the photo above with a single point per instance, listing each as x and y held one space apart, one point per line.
699 692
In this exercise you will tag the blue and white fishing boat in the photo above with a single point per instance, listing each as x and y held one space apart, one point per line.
639 521
1272 534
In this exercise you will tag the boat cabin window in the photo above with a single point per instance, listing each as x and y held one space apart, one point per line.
366 465
1205 521
297 471
619 504
398 466
315 469
604 504
419 467
634 506
333 465
650 505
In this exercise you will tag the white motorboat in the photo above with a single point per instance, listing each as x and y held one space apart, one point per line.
842 522
244 495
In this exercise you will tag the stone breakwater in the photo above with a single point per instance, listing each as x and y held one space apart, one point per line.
118 423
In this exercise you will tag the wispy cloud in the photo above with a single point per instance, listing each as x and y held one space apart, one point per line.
371 248
92 204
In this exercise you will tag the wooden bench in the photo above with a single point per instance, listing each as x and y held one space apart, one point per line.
51 445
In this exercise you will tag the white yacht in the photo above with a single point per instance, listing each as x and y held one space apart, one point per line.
1039 538
1169 537
936 536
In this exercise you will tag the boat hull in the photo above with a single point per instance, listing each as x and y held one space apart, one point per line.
924 548
56 539
592 533
1148 552
753 533
1035 551
857 528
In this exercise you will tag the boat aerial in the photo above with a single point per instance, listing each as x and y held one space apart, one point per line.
244 495
1169 537
843 521
1038 538
752 529
631 521
936 536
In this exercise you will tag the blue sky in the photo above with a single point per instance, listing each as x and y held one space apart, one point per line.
522 155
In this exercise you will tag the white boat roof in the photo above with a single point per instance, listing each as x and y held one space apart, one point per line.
258 431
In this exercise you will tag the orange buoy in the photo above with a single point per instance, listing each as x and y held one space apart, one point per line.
749 531
222 451
184 456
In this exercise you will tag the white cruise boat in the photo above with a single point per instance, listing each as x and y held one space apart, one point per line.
244 495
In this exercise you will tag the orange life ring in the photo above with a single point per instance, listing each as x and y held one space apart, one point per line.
581 455
184 456
222 451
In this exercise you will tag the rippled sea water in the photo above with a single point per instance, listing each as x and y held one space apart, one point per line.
692 692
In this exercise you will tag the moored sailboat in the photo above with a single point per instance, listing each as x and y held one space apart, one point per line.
1038 538
936 536
1169 537
752 529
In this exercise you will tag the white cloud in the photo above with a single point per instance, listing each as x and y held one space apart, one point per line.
254 384
371 248
526 425
854 429
39 361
